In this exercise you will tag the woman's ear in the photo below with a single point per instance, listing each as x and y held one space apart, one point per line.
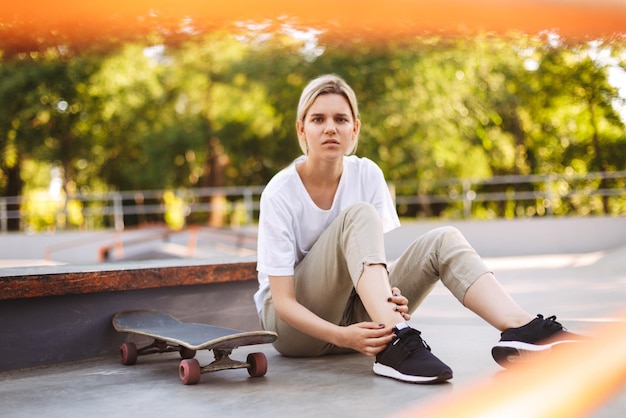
304 146
300 128
357 127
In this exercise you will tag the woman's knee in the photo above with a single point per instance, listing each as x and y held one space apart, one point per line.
447 239
362 208
362 211
446 233
363 220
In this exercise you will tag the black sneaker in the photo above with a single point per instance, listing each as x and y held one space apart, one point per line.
408 358
538 336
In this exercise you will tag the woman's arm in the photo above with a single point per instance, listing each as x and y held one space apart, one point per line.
369 338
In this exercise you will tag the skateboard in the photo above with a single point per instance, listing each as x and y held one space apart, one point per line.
171 335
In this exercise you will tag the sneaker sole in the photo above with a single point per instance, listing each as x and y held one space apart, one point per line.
508 353
386 371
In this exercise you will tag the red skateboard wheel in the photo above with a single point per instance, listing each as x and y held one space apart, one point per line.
128 353
189 371
258 364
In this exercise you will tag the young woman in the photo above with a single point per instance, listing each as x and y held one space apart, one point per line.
325 285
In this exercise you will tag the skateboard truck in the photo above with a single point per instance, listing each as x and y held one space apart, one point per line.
129 351
190 370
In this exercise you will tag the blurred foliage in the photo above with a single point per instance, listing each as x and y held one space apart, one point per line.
174 210
218 109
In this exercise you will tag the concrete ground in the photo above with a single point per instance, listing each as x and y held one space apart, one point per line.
584 290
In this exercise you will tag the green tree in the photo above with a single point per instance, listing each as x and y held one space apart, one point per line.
216 108
40 93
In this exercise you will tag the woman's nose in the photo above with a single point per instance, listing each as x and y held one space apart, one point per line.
330 126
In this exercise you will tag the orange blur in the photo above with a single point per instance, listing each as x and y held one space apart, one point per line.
574 384
573 18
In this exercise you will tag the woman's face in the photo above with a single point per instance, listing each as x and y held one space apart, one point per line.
329 129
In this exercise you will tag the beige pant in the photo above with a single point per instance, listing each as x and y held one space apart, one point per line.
326 278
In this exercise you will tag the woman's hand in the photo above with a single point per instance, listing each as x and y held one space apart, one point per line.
369 338
402 303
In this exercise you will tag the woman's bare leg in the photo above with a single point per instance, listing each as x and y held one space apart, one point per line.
490 301
373 288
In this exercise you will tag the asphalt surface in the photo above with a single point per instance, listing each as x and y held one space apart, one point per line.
584 290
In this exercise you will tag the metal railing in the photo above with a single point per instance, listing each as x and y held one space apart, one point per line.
144 205
116 209
545 190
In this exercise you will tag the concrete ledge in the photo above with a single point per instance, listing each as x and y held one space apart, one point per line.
47 330
55 314
30 282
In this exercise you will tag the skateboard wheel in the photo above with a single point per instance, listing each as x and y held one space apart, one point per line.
128 353
189 371
257 364
186 353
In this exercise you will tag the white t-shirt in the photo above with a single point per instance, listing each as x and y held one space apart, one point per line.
290 222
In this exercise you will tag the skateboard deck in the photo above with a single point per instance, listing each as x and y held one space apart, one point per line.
170 335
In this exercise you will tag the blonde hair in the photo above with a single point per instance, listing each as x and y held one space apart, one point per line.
326 84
